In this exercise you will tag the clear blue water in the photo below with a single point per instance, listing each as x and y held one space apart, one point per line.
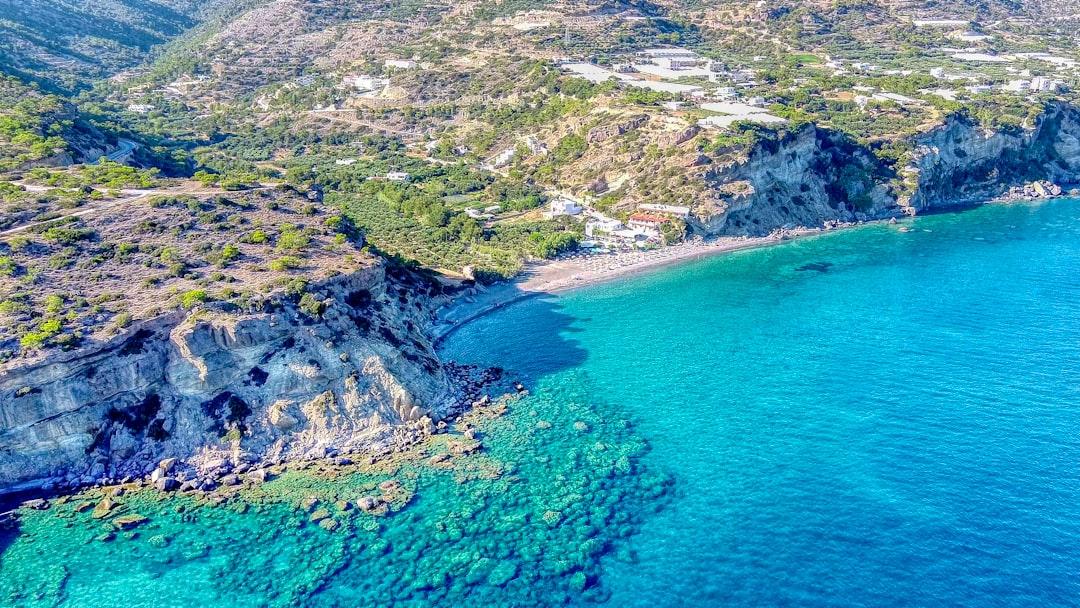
861 419
867 418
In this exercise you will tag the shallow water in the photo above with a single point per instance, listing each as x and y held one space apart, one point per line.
865 418
871 417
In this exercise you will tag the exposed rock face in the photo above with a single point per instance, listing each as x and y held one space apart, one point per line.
214 387
814 176
960 163
603 133
803 179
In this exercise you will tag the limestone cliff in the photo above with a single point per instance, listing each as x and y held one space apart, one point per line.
216 389
813 176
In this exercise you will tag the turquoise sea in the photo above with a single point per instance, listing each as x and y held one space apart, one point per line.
873 417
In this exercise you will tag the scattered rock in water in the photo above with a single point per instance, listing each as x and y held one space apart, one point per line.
389 486
230 480
543 424
329 524
342 505
815 266
106 537
440 460
103 508
127 522
463 447
502 574
159 541
580 426
578 581
84 507
319 515
308 504
39 504
552 518
372 506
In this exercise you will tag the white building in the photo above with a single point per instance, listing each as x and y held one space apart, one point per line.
1018 86
605 226
401 64
1042 83
397 176
140 108
563 206
370 83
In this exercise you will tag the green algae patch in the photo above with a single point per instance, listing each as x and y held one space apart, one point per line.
500 511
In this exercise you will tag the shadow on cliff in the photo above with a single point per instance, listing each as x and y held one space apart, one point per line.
527 337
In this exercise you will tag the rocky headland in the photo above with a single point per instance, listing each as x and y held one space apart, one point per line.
190 399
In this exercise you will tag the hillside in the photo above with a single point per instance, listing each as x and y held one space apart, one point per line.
65 45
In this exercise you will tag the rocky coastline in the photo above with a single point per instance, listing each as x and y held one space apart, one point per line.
199 401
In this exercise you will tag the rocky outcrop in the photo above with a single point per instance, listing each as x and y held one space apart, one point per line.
816 177
603 133
961 163
802 179
216 388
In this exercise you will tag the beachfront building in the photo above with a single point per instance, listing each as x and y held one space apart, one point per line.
647 224
597 227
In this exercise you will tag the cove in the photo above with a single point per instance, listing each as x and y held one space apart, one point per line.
883 416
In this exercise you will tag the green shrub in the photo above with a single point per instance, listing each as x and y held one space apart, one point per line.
286 263
192 298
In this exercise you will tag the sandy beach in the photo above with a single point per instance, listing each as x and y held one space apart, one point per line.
580 270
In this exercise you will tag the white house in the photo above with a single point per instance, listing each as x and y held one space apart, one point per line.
370 83
606 225
562 206
1018 86
397 176
401 64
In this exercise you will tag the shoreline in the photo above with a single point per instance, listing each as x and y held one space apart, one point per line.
549 277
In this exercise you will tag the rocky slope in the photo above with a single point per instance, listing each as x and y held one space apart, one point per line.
220 390
814 177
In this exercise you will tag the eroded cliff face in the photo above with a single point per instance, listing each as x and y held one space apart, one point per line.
815 177
803 179
215 389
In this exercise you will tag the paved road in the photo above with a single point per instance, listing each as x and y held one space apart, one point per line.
126 148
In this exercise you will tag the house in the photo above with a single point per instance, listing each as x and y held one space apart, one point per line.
562 206
536 146
345 161
647 224
397 176
605 226
1042 83
370 83
401 64
1018 86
